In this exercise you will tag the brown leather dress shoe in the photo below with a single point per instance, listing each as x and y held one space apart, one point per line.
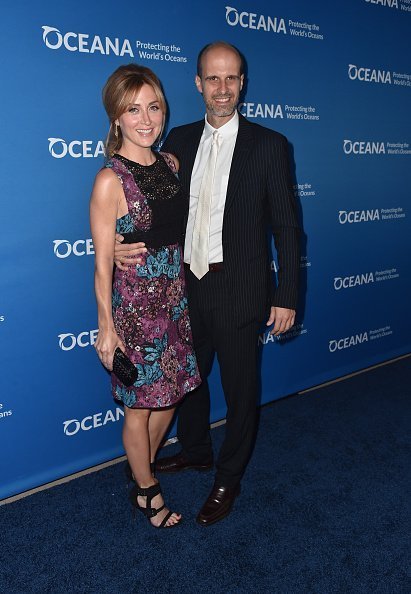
179 462
218 505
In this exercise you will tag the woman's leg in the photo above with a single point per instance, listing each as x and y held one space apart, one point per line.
136 442
157 426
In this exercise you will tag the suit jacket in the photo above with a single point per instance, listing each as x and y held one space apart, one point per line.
259 196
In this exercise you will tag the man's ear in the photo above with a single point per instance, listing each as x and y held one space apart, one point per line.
198 84
241 82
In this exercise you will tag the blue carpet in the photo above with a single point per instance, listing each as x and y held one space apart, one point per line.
325 508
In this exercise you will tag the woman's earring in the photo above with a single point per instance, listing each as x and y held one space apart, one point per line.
116 131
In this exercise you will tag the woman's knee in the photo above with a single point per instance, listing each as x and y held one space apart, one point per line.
136 416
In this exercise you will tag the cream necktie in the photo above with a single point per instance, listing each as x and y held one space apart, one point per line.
201 231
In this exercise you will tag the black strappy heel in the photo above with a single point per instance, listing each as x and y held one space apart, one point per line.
148 511
129 473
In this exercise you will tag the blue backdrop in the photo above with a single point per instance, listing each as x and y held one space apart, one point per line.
336 81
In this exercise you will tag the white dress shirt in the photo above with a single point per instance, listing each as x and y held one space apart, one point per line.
228 136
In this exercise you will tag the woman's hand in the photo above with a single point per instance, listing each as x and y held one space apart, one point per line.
105 345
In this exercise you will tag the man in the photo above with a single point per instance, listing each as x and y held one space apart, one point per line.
238 178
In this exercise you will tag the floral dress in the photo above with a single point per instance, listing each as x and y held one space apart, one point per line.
149 301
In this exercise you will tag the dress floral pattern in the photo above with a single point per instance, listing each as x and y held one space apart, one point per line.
150 311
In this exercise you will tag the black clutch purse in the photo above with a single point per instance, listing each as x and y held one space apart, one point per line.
123 368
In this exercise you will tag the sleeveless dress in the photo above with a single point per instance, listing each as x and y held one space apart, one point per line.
149 300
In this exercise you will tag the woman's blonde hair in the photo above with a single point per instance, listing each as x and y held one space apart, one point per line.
118 93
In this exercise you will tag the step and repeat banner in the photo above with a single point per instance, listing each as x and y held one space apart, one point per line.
336 80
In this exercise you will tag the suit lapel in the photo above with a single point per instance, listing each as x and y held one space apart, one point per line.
242 148
189 153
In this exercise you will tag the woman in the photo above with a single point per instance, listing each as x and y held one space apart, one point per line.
142 310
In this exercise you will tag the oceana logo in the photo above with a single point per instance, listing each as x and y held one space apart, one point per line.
358 216
54 39
261 110
353 281
73 426
59 148
82 247
369 74
251 20
389 3
68 341
363 147
347 342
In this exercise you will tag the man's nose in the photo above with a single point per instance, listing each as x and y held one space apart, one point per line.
223 87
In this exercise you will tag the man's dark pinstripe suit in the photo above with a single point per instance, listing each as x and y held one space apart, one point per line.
227 307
